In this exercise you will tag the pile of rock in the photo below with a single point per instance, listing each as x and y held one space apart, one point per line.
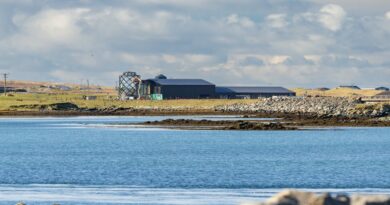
317 106
291 197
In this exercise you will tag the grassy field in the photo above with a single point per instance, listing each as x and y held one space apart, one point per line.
108 99
105 101
336 92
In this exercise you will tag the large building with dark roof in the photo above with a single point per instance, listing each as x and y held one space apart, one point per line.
161 87
178 88
251 92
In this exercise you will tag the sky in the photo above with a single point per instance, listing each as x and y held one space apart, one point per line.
291 43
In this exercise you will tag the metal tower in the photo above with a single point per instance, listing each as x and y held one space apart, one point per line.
129 86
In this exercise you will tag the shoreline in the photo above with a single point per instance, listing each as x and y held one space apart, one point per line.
288 119
189 124
253 124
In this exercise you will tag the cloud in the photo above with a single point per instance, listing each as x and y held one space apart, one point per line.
277 20
251 61
47 28
361 8
332 16
245 22
289 43
387 15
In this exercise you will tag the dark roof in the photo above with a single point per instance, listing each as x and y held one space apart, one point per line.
350 86
180 82
161 76
8 88
382 88
323 89
249 90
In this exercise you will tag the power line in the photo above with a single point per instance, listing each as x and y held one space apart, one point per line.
5 75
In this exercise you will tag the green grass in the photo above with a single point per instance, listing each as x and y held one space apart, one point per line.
105 101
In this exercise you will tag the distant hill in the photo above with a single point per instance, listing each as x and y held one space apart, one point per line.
51 87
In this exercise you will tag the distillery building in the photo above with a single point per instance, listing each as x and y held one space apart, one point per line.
132 86
243 92
178 88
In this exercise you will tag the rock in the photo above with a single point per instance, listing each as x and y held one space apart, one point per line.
319 106
370 200
62 106
291 197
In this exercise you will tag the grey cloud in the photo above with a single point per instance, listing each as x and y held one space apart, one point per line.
250 41
251 61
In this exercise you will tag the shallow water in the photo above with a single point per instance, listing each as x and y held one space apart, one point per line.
86 160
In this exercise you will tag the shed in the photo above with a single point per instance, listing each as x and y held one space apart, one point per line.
354 87
252 92
323 89
90 97
382 88
9 89
178 88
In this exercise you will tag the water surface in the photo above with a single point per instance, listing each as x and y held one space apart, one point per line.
82 160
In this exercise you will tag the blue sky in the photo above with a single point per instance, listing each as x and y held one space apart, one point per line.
294 43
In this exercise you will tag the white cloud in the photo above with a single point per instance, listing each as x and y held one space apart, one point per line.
332 16
387 15
313 58
277 20
245 22
48 28
226 42
199 58
274 60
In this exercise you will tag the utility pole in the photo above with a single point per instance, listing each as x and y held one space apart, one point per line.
5 83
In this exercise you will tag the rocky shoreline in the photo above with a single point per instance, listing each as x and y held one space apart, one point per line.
219 125
297 111
313 106
292 197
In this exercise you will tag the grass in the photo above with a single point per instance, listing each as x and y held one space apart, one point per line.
104 101
337 92
108 99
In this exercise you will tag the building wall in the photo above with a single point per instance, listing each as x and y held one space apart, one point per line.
198 92
251 95
187 91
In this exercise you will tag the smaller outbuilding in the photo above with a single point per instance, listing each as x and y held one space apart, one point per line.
382 89
61 87
322 89
12 89
9 89
90 97
354 87
251 92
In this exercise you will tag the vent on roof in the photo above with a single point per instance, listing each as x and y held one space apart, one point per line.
161 76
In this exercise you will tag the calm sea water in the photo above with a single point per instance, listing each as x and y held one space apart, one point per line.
93 160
